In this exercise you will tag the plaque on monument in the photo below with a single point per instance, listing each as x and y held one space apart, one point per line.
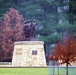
18 51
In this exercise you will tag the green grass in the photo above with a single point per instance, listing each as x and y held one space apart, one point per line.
24 71
36 71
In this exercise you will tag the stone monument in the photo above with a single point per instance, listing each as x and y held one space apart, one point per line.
29 54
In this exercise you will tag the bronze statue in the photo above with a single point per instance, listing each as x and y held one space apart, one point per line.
29 29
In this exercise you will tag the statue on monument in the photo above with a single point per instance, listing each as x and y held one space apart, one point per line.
30 48
29 30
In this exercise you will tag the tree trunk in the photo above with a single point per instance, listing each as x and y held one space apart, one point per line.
67 68
53 67
58 69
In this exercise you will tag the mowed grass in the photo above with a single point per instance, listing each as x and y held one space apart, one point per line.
36 71
24 71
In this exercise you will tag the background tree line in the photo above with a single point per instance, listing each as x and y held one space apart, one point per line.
55 18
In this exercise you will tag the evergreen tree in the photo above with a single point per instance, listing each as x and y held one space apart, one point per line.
72 11
49 15
4 7
72 17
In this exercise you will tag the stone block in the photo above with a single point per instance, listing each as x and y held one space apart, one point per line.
29 54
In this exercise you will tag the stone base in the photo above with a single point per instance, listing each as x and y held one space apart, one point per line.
29 54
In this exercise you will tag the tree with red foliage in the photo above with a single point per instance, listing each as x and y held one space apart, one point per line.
11 31
66 51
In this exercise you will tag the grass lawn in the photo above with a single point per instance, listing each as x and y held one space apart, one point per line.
36 71
24 71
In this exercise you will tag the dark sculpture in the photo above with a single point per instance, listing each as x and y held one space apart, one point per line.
30 29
